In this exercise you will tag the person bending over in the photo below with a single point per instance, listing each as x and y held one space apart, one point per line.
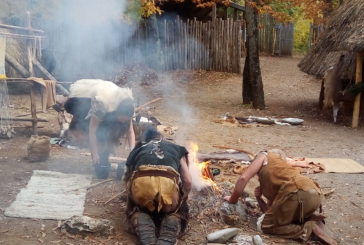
102 113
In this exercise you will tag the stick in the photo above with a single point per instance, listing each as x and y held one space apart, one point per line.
149 102
99 183
110 158
237 149
329 192
115 196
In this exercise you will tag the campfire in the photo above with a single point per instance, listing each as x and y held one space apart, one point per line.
202 176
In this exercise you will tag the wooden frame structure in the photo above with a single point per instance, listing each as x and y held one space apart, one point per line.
32 60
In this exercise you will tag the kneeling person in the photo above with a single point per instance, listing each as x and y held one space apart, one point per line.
159 183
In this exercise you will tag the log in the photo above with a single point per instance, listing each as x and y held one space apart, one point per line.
49 76
16 65
358 79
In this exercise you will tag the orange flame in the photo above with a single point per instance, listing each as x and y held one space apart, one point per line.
203 166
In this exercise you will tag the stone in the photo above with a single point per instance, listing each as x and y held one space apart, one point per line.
85 224
233 214
222 236
250 202
257 240
242 240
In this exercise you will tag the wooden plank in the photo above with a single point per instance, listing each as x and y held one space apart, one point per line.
358 80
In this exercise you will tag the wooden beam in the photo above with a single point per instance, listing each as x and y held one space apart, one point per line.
24 119
236 6
20 28
22 36
358 79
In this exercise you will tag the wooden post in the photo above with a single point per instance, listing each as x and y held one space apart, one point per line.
33 108
235 14
358 79
213 15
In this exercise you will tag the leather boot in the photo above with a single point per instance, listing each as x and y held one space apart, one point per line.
144 227
169 230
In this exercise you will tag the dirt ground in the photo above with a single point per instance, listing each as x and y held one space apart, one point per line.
192 101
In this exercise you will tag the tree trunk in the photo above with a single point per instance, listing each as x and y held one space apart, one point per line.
252 78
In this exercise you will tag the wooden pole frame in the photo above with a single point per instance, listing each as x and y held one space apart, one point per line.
358 79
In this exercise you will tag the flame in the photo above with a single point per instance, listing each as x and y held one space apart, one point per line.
204 171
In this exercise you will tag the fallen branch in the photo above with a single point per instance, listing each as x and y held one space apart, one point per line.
251 154
148 103
115 196
99 183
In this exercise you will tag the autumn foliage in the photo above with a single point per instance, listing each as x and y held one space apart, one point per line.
279 9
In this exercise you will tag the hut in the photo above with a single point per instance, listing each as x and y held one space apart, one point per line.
344 35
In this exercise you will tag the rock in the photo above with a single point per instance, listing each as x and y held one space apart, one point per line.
222 236
257 240
250 202
233 214
85 224
242 240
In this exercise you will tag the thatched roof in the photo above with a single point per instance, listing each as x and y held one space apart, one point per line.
344 34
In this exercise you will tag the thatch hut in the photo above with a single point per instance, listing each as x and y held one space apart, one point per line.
344 35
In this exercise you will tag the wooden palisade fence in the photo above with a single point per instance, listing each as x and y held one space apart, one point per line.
191 44
275 38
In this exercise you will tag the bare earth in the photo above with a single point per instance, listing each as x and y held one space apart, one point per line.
192 102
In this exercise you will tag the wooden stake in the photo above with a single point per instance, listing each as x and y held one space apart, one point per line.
358 79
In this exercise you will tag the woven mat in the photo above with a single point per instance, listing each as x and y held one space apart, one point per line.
51 195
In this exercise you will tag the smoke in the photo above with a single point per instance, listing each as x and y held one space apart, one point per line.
85 36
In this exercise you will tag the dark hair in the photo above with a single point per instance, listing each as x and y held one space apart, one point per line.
151 133
125 108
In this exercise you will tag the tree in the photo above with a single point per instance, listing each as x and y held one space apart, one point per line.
252 79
